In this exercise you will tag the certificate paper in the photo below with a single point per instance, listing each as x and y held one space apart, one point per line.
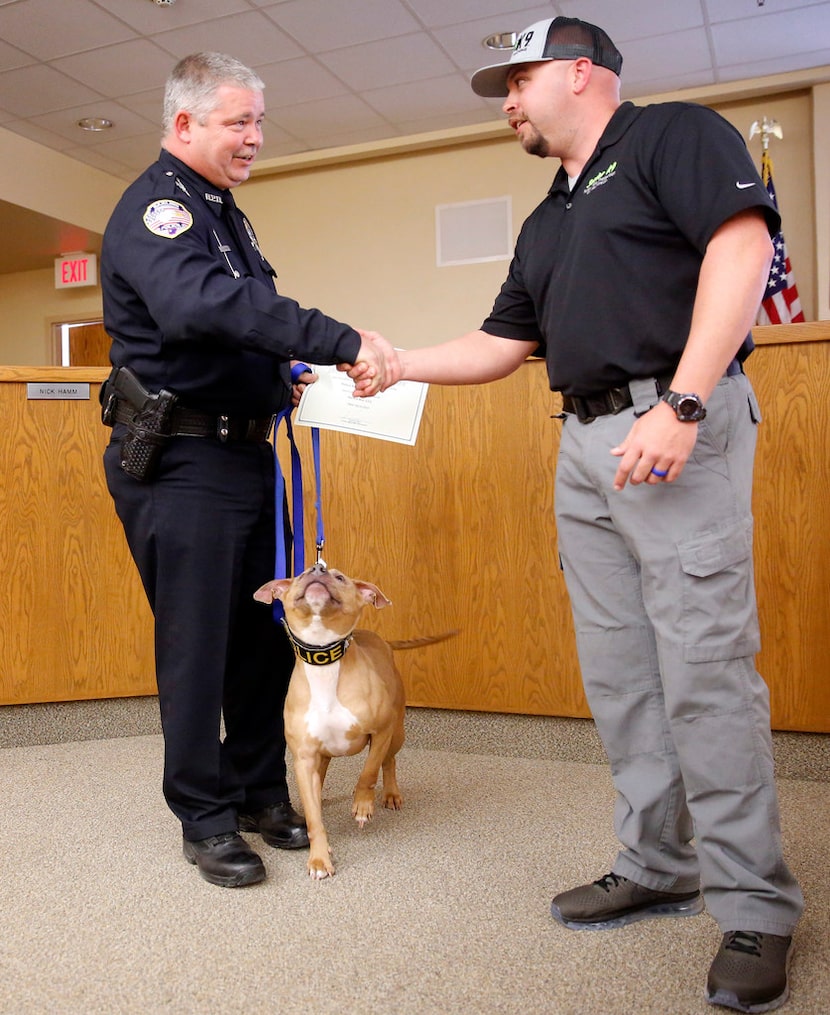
391 415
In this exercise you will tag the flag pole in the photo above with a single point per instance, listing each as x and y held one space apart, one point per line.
780 304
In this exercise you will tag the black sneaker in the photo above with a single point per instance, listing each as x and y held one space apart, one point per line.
614 901
749 972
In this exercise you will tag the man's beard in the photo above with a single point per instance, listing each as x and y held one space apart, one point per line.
535 144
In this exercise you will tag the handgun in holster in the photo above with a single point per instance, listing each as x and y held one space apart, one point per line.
147 416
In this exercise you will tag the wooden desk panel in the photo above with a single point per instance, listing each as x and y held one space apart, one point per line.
458 531
75 623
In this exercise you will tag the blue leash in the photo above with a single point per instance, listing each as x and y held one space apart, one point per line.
281 562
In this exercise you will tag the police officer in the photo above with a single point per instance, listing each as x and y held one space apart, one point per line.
192 310
639 277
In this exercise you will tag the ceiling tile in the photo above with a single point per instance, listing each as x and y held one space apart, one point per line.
11 57
432 98
448 121
64 123
734 10
647 60
250 37
392 62
119 70
135 152
149 18
435 13
47 29
29 91
320 25
774 65
315 120
294 81
92 157
636 19
40 135
147 104
773 36
465 43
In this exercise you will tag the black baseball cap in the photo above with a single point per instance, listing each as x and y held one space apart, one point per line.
552 39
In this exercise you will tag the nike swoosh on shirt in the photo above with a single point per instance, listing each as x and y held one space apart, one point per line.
744 186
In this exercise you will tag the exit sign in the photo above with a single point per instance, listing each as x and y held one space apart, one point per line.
76 269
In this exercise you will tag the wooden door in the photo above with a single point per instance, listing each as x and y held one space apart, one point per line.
89 345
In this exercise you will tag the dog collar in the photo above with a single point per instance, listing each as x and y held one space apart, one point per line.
318 655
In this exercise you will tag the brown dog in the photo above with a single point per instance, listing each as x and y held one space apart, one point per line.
345 692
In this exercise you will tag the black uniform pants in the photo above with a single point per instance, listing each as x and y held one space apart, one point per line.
202 535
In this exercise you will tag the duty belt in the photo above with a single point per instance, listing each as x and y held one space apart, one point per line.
190 423
586 408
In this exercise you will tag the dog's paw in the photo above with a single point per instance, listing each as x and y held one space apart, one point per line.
394 801
363 806
319 869
363 814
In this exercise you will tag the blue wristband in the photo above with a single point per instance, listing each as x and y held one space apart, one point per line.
297 369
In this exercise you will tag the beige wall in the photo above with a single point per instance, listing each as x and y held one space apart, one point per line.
359 240
357 237
30 305
45 181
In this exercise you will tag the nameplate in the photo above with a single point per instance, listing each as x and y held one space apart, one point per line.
59 391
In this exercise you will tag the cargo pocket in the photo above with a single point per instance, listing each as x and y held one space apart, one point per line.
720 619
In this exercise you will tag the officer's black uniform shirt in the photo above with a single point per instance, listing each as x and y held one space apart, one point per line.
190 302
604 276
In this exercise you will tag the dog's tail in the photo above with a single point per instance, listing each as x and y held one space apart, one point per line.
399 646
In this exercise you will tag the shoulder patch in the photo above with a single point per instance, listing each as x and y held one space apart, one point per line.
167 218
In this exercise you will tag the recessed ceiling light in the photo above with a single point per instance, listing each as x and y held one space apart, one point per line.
95 123
501 40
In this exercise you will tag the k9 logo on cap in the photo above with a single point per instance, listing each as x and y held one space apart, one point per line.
523 41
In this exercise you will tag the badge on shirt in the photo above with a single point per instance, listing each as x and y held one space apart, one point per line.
167 218
251 235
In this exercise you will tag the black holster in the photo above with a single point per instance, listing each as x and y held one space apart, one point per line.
147 416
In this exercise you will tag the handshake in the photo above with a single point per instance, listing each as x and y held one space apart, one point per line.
378 365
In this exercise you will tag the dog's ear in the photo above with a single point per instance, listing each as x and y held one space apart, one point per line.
372 594
272 590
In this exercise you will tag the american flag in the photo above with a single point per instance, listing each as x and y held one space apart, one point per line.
780 304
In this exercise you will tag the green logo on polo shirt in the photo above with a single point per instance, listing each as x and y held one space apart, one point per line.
600 178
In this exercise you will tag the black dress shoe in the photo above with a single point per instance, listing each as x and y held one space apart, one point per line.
279 825
225 860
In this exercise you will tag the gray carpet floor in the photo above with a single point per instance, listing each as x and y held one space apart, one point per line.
442 907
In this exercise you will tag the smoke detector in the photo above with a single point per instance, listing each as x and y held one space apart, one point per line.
164 3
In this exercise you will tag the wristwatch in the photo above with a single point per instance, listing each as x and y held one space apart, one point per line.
687 407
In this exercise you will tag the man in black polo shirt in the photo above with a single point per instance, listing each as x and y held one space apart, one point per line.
638 277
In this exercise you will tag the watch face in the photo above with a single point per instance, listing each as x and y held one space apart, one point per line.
689 408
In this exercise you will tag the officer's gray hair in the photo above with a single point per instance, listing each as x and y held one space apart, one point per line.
193 83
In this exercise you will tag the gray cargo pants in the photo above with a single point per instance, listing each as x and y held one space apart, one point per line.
662 590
